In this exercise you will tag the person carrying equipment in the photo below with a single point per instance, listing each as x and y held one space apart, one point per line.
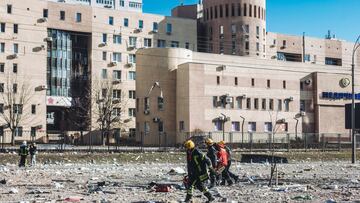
228 151
197 165
23 153
211 154
222 163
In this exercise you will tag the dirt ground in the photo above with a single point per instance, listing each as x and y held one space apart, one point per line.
129 177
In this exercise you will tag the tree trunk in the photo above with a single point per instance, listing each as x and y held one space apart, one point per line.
103 137
12 137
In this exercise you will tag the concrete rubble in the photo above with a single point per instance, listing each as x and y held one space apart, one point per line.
149 182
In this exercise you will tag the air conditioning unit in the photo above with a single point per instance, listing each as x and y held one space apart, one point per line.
168 33
307 82
107 6
129 65
272 46
102 44
303 113
44 19
228 100
113 63
283 47
156 120
243 96
116 81
273 57
146 112
14 56
221 68
131 47
137 30
291 98
38 127
48 39
43 87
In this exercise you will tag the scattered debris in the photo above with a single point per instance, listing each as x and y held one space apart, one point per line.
13 191
73 199
302 197
177 171
3 182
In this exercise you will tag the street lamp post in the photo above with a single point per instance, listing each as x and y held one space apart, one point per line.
223 125
242 131
353 153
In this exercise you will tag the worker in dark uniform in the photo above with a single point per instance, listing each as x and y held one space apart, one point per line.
211 154
23 153
33 154
198 165
227 168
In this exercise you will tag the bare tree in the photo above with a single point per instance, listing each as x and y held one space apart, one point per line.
15 98
108 107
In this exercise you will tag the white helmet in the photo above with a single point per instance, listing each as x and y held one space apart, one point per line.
24 143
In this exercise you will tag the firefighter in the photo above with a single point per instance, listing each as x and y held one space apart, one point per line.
228 151
23 152
211 154
223 163
197 164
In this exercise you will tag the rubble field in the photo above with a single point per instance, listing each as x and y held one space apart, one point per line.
157 177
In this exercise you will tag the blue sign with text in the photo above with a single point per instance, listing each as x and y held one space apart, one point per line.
339 95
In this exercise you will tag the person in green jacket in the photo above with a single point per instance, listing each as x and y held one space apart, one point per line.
197 165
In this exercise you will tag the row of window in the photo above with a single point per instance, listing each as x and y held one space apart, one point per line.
251 103
14 68
235 126
15 48
116 56
160 126
17 108
233 10
15 28
236 82
117 74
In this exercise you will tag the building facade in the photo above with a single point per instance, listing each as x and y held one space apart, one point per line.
199 90
66 49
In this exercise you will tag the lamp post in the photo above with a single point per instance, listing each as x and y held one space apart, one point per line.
242 130
224 120
353 153
296 117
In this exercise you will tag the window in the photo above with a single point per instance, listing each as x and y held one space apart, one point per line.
160 103
268 127
147 42
78 17
15 88
181 126
218 80
2 47
62 15
235 126
117 39
161 43
16 28
175 44
215 101
2 27
247 45
239 9
137 104
104 74
117 75
168 28
255 10
132 41
257 30
116 112
1 108
221 11
263 104
135 4
18 131
284 84
146 127
2 67
132 94
1 87
9 8
161 126
236 81
333 61
257 46
45 13
218 125
111 20
132 75
302 105
122 3
279 105
33 132
221 31
155 26
117 94
211 13
187 45
232 10
307 57
15 68
252 82
146 104
141 24
239 102
16 48
252 126
104 55
250 10
301 86
104 38
271 104
248 103
117 57
132 58
284 43
216 12
256 103
233 29
268 84
132 112
126 22
18 108
33 109
287 105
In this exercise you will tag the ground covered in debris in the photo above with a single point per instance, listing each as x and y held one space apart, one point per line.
146 177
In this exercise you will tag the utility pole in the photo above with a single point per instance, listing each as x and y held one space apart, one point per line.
303 38
353 152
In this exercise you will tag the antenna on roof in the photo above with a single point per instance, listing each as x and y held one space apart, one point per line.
181 2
